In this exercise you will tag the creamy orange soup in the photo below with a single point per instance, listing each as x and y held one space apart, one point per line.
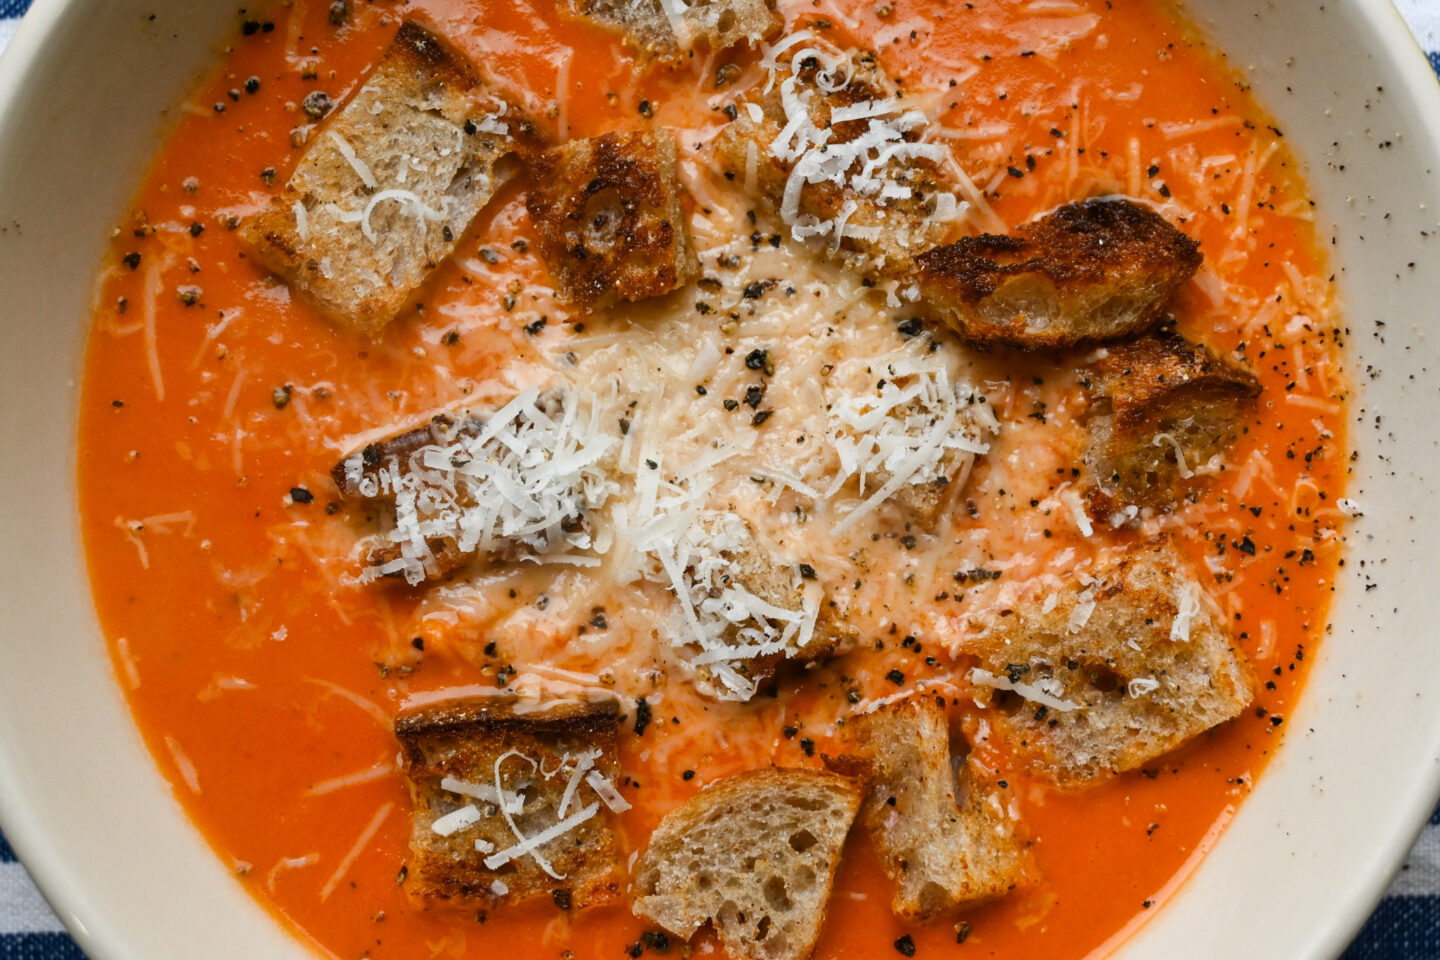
265 675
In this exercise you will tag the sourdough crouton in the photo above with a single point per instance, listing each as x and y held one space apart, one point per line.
755 856
839 156
1102 675
517 481
943 833
904 432
752 608
656 33
389 184
1092 270
608 216
510 806
1164 410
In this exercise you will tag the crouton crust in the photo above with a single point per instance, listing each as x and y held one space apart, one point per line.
943 835
719 24
609 219
358 248
905 225
768 573
396 451
1138 676
469 740
1162 408
753 854
1092 270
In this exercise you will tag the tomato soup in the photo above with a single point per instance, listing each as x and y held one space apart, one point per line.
265 675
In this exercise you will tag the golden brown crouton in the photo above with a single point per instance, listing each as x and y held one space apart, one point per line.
481 483
485 779
1110 671
726 565
389 184
1093 270
1163 409
886 210
944 834
359 477
719 24
608 216
754 855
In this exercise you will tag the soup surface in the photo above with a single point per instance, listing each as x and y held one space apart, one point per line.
265 669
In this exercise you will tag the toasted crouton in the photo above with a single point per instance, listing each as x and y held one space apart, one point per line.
484 482
755 856
608 216
729 571
875 214
719 24
1113 670
1089 271
389 184
944 834
1163 410
485 779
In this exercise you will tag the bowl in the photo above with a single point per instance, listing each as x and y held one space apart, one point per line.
1305 857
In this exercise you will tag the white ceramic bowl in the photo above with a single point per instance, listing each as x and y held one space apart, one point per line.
85 91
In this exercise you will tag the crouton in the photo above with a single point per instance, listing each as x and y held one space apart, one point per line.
488 782
904 433
656 33
1090 271
517 481
609 220
873 192
389 183
755 856
943 833
1164 411
752 607
1105 674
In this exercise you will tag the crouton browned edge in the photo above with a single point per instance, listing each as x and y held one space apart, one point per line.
474 716
1103 241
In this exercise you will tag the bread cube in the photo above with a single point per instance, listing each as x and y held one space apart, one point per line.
511 806
718 24
609 219
943 833
389 183
1163 409
1090 271
755 856
1112 670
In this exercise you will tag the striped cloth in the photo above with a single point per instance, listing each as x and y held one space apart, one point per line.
1406 925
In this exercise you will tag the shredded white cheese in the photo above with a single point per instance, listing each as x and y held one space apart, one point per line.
456 820
914 427
361 168
1029 691
606 791
514 802
1140 686
871 164
532 470
1187 608
531 845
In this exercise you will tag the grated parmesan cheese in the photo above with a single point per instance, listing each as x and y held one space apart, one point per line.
915 427
528 476
456 820
1029 691
872 165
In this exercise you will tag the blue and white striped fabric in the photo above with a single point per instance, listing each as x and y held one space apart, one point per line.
1406 925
